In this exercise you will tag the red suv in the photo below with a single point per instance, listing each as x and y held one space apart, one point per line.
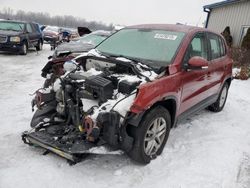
198 76
131 90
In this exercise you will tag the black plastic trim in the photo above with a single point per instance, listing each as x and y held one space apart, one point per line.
201 105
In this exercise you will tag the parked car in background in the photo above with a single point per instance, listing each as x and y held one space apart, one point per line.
18 36
52 34
68 51
131 90
69 34
82 44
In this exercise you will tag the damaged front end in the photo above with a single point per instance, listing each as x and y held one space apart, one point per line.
87 108
71 143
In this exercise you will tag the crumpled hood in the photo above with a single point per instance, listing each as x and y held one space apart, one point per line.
75 46
10 33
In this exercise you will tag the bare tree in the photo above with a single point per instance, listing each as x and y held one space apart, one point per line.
45 19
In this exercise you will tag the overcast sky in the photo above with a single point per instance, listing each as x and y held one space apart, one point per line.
124 12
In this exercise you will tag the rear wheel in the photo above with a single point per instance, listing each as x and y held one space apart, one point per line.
221 101
151 135
24 48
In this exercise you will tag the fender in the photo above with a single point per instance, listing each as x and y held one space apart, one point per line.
167 87
228 77
135 118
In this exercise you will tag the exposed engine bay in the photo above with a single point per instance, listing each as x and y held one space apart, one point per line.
88 106
106 87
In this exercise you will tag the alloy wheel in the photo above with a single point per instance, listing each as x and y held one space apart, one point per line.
223 96
155 136
24 49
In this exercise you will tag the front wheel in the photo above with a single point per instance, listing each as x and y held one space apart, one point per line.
24 49
221 101
151 135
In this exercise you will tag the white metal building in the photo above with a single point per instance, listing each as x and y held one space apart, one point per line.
232 13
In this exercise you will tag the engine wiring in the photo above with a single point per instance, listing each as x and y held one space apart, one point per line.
112 109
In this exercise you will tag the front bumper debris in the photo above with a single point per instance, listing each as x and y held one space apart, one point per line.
73 152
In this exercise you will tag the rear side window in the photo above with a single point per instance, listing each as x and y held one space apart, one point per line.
35 27
222 47
29 28
217 46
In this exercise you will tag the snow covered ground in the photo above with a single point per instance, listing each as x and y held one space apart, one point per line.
208 150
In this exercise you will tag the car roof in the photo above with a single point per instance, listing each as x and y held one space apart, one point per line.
53 26
169 27
101 33
14 21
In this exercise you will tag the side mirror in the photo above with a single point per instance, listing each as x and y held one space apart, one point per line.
197 63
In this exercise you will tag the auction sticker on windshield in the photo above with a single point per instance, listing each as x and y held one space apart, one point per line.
165 36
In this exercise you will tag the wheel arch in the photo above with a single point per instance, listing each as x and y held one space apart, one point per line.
25 41
169 103
228 80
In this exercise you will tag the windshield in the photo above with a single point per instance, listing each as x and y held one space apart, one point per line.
146 44
13 26
92 39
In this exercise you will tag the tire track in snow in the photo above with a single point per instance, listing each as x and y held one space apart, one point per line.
243 176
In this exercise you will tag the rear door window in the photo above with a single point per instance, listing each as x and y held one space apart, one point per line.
216 46
35 27
222 47
29 28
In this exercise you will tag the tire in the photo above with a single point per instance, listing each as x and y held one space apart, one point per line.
221 101
24 49
147 145
39 46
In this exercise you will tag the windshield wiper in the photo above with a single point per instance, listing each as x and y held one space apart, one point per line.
136 60
133 59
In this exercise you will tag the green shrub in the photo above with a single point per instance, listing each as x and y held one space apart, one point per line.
241 59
